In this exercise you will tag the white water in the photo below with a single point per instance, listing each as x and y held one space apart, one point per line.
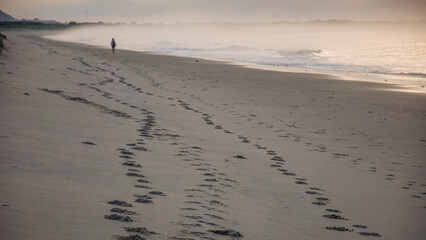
388 48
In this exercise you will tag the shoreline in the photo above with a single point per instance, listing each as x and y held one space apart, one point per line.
405 82
98 145
408 82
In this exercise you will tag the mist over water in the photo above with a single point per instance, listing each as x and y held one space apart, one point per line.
341 46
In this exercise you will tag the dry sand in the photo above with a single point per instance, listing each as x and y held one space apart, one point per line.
201 149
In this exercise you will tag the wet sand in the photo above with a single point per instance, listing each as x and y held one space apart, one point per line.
136 145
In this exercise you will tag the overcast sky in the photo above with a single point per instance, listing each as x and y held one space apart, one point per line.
215 10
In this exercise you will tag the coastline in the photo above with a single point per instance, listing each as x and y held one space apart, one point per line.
405 82
211 146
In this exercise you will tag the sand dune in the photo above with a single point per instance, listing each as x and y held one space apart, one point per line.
136 145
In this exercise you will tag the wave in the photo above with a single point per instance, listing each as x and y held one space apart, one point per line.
236 48
301 58
402 74
160 46
297 52
334 47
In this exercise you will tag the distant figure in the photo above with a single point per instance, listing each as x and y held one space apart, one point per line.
113 45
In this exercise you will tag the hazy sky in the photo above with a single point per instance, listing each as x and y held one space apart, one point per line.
215 10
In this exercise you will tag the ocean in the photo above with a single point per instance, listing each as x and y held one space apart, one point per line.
395 48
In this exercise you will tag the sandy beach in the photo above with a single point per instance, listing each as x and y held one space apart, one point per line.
133 145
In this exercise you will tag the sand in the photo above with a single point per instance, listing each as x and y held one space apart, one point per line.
137 145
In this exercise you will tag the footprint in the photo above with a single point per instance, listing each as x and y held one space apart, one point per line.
289 174
139 230
360 226
126 152
273 153
214 202
213 216
313 193
188 209
130 164
142 186
231 233
369 234
117 217
277 159
334 211
210 180
130 237
321 201
207 223
340 229
157 193
301 182
143 181
120 203
144 199
193 217
334 216
190 225
133 174
123 211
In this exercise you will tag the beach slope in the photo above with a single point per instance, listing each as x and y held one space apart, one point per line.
131 145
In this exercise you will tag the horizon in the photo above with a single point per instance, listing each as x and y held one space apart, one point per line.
283 21
205 11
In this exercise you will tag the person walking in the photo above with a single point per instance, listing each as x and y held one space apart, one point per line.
113 45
